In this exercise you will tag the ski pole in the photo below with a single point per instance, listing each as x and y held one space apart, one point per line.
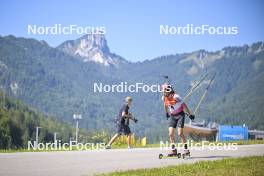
166 78
194 87
204 94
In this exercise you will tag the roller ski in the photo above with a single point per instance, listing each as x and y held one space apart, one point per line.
173 154
185 155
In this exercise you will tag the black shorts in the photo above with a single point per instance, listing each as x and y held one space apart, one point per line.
177 121
123 129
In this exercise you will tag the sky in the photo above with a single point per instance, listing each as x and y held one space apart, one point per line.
133 27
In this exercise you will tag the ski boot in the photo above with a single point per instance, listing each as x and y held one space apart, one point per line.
107 147
186 153
174 152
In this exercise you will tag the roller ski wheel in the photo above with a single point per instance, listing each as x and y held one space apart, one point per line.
160 156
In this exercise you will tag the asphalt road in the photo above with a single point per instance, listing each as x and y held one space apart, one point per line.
76 163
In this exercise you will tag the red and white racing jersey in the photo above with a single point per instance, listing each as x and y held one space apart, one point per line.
174 103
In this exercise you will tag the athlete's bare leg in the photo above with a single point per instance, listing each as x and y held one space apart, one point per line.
113 139
180 133
129 140
172 135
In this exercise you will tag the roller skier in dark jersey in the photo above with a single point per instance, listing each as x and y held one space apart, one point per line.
123 123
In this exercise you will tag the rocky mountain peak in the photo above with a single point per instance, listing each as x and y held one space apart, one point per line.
91 48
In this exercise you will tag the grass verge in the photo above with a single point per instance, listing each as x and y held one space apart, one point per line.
245 166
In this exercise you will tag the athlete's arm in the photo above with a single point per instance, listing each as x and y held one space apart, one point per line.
125 112
165 108
186 109
188 112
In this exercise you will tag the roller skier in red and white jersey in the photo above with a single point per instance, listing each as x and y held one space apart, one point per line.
175 110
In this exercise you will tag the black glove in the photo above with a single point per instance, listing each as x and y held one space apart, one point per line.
135 120
192 117
167 115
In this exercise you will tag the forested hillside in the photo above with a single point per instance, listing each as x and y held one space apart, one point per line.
18 124
61 84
